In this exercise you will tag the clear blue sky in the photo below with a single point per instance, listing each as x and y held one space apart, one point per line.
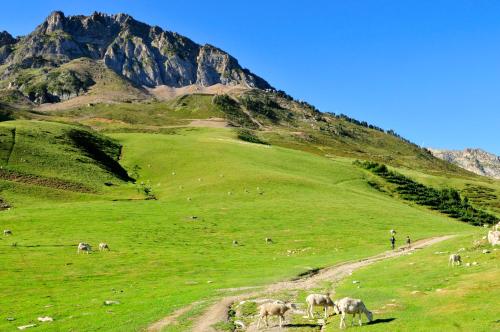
428 69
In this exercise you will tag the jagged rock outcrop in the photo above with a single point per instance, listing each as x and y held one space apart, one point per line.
6 42
475 160
146 55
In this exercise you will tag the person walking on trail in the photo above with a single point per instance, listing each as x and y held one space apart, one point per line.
408 242
393 242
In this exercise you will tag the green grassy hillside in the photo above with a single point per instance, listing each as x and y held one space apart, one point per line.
41 159
318 211
422 292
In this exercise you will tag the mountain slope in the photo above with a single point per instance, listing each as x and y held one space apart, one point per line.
475 160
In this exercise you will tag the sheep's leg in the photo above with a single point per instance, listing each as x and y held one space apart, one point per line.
326 311
267 324
258 322
281 320
309 311
360 321
342 320
352 321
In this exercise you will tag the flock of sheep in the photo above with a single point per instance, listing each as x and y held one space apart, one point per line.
87 248
342 307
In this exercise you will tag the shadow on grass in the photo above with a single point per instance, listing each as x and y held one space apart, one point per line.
299 325
381 320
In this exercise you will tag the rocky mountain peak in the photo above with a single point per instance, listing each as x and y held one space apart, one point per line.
6 39
472 159
146 55
54 22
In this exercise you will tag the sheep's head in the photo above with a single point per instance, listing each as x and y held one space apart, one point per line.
291 306
369 314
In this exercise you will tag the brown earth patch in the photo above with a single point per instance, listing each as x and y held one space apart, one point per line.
44 181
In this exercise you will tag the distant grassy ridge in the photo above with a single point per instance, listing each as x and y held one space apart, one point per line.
447 201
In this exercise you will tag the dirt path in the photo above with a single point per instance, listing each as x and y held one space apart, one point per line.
170 319
219 310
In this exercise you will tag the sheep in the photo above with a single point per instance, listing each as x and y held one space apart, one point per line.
393 232
352 306
235 243
7 232
494 237
83 247
103 246
454 259
274 309
497 227
318 300
269 240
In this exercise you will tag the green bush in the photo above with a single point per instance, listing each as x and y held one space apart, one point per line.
249 136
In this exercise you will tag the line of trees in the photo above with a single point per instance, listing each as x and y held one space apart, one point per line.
447 201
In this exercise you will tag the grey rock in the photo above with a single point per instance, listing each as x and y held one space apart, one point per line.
475 160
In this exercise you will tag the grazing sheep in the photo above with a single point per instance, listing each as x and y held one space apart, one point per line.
103 246
454 259
83 247
235 243
494 237
274 309
393 232
7 232
352 306
319 300
269 240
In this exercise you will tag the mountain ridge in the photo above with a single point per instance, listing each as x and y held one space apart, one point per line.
475 160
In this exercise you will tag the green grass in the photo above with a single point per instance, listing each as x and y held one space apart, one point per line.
161 259
420 292
146 116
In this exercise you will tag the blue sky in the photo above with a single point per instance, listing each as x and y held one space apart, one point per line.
430 70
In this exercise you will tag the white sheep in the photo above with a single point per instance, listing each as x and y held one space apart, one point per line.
352 306
7 232
274 309
319 300
494 237
393 232
454 259
269 240
103 246
83 247
497 227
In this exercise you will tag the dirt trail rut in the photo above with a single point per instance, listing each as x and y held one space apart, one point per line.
219 310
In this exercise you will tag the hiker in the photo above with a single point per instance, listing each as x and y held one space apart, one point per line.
408 241
393 242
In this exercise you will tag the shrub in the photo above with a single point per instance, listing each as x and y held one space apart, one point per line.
249 136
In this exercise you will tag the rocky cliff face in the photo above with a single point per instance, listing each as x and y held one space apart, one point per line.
474 160
146 55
